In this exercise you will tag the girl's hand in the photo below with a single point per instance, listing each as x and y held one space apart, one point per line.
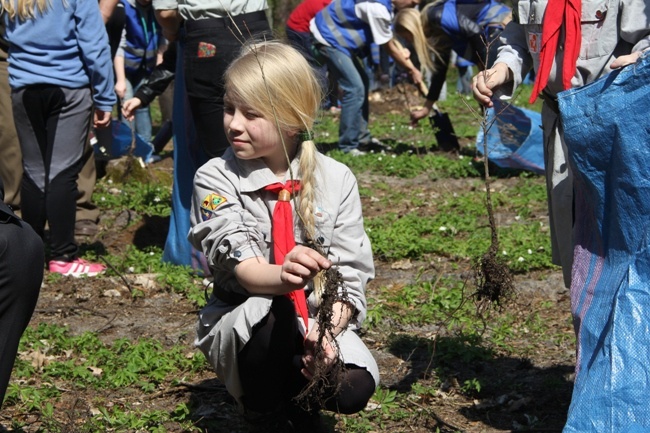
625 60
129 107
484 82
329 352
301 265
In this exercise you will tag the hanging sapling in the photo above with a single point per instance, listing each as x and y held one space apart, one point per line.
494 284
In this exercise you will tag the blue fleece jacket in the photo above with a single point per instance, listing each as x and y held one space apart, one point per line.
67 46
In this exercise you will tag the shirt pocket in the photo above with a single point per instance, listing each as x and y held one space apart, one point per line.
265 229
324 235
599 29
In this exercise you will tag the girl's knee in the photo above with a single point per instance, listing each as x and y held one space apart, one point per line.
356 390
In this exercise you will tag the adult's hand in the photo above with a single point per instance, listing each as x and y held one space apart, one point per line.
101 119
628 59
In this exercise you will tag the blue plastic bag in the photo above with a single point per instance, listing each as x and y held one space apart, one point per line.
515 139
123 138
607 133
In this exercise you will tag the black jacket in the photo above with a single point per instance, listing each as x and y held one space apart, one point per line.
160 77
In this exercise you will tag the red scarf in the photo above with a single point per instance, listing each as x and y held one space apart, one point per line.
558 13
283 240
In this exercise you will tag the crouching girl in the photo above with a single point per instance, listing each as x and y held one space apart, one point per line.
272 215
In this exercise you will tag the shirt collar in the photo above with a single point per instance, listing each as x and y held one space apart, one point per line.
254 175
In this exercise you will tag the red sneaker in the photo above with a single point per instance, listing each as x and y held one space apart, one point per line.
76 268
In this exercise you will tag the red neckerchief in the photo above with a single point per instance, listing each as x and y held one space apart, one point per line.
558 13
283 240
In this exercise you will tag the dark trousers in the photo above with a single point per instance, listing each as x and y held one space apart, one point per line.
11 167
270 364
52 125
210 46
21 274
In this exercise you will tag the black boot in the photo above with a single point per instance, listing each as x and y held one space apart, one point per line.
305 421
268 422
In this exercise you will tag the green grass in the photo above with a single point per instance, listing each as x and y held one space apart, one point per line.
84 362
456 227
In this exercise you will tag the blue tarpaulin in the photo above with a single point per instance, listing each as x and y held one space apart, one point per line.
607 132
514 139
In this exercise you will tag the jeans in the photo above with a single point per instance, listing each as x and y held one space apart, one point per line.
142 121
354 83
327 79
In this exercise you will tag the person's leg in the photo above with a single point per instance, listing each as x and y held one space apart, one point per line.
188 157
21 274
269 363
87 212
68 143
11 166
332 89
31 130
52 144
559 187
352 102
364 133
356 388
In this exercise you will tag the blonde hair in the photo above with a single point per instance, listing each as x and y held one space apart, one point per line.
25 9
410 20
275 79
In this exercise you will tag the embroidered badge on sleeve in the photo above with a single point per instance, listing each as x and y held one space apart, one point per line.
210 203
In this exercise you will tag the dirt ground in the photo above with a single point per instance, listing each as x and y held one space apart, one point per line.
529 391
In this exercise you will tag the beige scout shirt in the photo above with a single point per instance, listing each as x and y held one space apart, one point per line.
231 221
610 28
200 9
